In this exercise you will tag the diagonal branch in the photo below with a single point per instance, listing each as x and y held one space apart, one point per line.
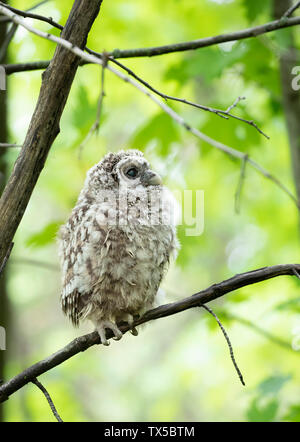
84 342
96 60
292 9
104 56
44 125
208 41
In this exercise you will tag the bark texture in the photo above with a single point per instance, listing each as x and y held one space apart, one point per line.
44 125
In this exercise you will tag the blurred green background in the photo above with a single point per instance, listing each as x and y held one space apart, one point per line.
178 368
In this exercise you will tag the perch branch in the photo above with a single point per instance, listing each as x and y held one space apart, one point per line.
82 343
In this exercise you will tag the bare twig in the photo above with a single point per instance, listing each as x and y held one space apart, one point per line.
82 343
105 57
48 397
292 9
205 42
237 197
236 102
25 13
8 145
228 342
221 113
45 121
95 126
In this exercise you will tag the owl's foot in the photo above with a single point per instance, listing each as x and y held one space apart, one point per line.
129 318
101 329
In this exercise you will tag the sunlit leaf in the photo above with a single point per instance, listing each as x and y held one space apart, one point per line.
46 236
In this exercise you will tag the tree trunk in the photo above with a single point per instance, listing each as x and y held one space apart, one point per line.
3 139
44 125
290 97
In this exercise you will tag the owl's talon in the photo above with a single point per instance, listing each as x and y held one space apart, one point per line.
134 331
101 328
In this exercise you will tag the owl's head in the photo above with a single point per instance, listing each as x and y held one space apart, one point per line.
127 169
133 170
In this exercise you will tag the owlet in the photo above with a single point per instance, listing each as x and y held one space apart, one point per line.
117 243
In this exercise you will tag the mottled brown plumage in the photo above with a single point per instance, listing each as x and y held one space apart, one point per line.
117 243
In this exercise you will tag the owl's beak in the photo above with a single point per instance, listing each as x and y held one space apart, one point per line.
151 178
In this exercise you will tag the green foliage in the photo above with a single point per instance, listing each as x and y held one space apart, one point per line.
160 129
273 384
293 415
255 8
178 369
262 413
45 236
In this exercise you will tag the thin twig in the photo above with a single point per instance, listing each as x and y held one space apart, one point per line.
82 343
228 342
104 56
96 60
237 197
48 397
236 102
95 126
205 42
27 13
221 113
292 9
8 145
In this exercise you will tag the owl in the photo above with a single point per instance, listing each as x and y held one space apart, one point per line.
117 243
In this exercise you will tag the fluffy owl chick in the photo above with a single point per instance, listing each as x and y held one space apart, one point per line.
117 243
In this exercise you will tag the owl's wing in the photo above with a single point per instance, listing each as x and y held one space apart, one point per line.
80 243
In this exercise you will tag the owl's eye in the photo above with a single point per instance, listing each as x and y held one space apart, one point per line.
132 172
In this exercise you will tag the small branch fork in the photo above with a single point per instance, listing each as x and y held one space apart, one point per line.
228 343
199 299
291 10
48 397
90 58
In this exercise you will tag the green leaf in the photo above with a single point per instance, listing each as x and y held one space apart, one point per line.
292 305
208 64
293 415
254 8
160 128
46 236
262 413
273 384
84 112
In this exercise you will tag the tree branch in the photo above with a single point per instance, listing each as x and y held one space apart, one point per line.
44 125
292 9
82 343
96 60
209 41
48 397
